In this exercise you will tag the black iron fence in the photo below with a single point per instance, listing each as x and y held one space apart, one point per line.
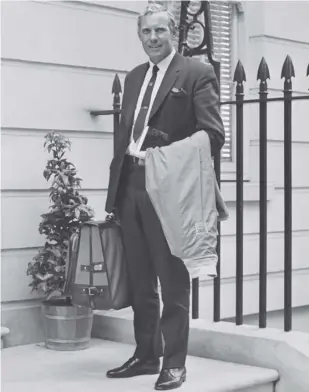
263 101
287 99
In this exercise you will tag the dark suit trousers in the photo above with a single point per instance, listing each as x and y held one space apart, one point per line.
149 258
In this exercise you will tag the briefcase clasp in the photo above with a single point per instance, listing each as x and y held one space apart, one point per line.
93 291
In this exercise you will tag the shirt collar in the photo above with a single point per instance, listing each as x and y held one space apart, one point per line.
164 64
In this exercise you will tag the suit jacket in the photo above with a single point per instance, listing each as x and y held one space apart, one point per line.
187 101
182 187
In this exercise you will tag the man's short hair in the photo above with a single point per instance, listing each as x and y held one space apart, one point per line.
153 8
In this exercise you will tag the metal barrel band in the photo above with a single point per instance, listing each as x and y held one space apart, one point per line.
78 317
77 340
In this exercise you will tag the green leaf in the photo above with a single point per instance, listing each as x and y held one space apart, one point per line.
77 213
65 179
56 252
43 286
45 277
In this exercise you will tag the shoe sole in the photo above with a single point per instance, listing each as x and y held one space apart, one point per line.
142 373
162 388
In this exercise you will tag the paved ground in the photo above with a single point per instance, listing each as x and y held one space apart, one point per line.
33 368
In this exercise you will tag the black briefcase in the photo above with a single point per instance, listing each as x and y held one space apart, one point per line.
96 270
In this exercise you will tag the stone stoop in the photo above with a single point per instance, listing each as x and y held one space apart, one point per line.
33 368
267 348
4 331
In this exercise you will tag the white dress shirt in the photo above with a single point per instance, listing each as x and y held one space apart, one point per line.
134 147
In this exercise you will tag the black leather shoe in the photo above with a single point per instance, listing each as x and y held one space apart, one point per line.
135 367
171 379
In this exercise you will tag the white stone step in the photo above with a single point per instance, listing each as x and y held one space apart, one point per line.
4 331
33 368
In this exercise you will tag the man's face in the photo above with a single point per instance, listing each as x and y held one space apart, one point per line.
156 36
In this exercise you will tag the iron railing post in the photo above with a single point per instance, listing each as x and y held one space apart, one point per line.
116 91
208 41
287 73
240 78
217 167
195 298
188 18
183 29
263 75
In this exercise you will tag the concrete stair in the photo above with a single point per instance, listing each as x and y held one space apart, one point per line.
4 331
33 368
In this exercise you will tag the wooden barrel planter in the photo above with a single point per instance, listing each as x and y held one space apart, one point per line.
67 327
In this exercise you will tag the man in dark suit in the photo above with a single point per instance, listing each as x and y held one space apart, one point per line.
174 97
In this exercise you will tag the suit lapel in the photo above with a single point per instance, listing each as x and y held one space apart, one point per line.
167 82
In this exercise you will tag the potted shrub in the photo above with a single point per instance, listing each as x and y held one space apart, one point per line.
67 327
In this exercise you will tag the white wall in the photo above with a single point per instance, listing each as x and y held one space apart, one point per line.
59 60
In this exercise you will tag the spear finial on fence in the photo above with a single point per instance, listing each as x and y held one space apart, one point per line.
288 68
263 71
239 74
116 89
287 73
307 70
263 75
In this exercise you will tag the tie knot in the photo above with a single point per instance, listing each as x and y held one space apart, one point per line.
155 69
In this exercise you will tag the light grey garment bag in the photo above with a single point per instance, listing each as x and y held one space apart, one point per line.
181 184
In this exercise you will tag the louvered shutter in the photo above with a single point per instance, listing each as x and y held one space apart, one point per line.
221 23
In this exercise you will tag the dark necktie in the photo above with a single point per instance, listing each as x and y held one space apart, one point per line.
141 118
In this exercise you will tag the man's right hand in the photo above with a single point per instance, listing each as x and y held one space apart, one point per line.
110 217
